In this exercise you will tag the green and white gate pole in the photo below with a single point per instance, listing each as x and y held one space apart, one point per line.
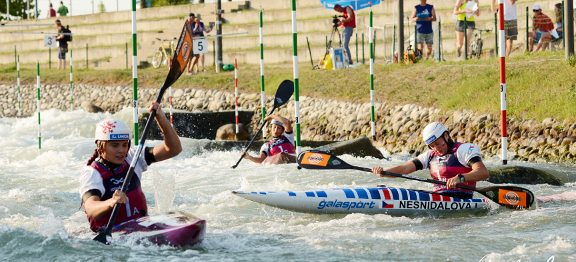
372 115
135 72
71 81
262 85
18 93
38 104
296 86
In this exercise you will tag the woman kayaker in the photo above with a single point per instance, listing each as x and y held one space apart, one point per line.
280 149
102 177
448 161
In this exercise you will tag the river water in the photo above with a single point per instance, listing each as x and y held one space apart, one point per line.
40 218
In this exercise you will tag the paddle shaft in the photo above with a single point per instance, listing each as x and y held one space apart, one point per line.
252 140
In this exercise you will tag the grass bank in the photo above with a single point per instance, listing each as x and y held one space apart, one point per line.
538 85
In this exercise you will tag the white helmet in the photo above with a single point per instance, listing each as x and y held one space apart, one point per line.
111 129
278 123
432 132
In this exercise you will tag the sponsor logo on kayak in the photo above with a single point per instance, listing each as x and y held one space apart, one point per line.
346 204
436 205
315 159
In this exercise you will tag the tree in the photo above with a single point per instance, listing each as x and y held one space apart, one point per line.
101 7
169 2
17 9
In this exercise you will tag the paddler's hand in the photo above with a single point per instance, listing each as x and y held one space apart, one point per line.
379 172
452 182
118 197
157 107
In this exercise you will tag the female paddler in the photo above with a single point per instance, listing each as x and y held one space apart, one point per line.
280 149
102 177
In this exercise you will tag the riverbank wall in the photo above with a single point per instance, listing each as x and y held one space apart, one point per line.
398 127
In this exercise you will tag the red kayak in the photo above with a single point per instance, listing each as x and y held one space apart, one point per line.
175 229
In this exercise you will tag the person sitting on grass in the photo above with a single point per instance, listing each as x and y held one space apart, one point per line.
280 149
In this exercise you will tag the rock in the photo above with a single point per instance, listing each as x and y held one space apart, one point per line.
91 108
228 132
522 175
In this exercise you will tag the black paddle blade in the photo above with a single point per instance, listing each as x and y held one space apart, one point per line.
284 92
509 196
315 159
102 238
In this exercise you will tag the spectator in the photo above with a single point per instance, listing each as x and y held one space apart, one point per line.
424 14
349 23
192 24
198 31
62 9
62 45
558 19
465 11
51 11
510 22
541 27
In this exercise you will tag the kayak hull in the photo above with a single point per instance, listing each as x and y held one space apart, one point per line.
367 200
175 229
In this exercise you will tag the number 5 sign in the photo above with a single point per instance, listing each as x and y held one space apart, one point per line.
50 41
200 45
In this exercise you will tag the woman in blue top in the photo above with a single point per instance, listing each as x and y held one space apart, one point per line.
424 14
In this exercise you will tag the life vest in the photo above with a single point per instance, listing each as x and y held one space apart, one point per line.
135 207
352 22
447 166
279 145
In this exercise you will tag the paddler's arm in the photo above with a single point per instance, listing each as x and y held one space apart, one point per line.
257 159
95 208
404 169
171 146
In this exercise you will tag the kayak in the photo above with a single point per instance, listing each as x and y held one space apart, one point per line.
175 229
367 200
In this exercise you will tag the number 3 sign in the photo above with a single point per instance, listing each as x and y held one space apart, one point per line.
200 46
50 41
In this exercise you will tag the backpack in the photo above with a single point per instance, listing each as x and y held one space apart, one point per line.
67 33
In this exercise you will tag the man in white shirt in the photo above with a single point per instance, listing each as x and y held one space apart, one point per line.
510 22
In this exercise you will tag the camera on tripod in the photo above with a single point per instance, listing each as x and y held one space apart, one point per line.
335 21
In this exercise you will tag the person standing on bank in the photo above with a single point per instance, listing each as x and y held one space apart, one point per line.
280 149
348 21
465 11
62 45
51 11
447 161
424 14
104 174
510 22
62 9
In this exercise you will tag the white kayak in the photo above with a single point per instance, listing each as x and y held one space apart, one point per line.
367 200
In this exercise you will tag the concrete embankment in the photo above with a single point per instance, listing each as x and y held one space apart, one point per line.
398 127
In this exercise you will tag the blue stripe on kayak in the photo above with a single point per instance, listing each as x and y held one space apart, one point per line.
361 193
321 194
290 193
374 193
476 200
413 195
424 196
349 193
310 194
394 192
455 199
263 193
404 193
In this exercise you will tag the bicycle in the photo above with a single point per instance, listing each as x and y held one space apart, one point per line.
477 42
164 53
